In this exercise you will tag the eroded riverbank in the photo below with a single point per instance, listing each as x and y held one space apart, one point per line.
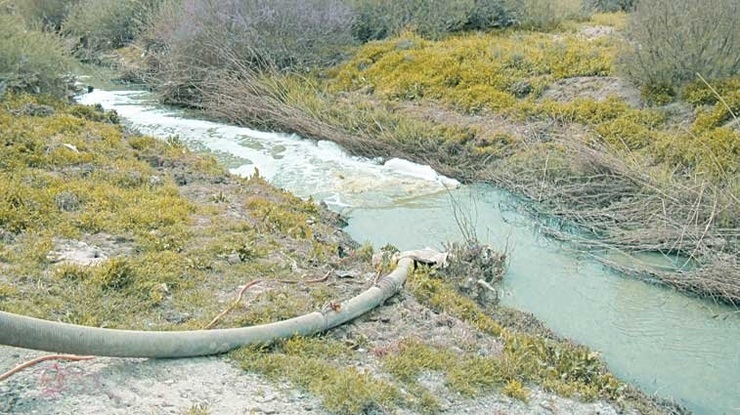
105 227
633 323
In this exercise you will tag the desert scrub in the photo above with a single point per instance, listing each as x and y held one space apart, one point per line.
31 60
195 39
473 72
49 14
103 25
675 40
171 252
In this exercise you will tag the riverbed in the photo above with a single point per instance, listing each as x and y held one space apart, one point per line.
669 344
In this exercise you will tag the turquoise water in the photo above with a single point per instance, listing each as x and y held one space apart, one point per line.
667 343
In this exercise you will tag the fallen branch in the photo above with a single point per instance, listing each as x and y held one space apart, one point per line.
68 357
313 281
232 306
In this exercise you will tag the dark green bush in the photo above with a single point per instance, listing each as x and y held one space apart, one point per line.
545 14
676 39
378 19
610 6
30 60
487 14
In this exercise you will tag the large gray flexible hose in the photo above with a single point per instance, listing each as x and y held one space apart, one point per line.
33 333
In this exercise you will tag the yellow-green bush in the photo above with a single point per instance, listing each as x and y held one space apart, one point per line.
67 173
719 114
516 389
713 153
472 72
699 93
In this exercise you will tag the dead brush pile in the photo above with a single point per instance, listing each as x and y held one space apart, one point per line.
475 269
617 202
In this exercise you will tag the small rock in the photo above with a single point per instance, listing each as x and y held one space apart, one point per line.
155 181
345 274
6 237
233 259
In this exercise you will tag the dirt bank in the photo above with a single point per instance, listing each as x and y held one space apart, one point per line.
104 227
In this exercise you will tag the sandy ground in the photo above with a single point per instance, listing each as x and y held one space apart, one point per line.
177 386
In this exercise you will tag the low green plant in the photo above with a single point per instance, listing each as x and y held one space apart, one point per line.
516 389
470 72
311 364
562 366
700 92
198 409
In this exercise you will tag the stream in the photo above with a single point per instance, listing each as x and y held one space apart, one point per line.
669 344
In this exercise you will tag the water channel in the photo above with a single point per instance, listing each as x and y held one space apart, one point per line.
667 343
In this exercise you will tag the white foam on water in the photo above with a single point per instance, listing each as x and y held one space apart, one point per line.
307 168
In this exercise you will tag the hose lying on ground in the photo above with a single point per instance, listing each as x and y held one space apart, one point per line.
33 333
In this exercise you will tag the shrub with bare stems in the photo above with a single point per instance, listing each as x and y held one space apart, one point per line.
673 40
616 201
197 37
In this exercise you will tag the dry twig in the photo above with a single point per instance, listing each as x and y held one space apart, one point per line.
233 305
69 357
313 281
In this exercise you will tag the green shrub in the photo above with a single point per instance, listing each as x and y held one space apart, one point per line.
699 93
378 19
546 14
472 72
48 13
488 14
610 6
676 39
30 60
108 24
